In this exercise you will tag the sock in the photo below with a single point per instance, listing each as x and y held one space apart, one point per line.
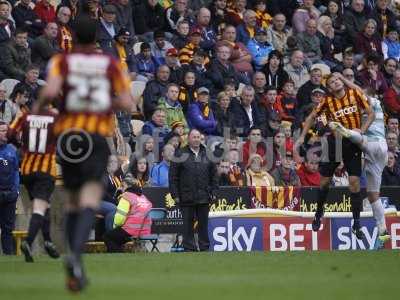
356 205
46 226
322 195
35 224
70 225
82 230
379 215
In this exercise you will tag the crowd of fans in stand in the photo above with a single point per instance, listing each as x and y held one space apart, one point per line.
244 73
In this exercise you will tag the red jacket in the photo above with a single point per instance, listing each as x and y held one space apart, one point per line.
391 100
46 13
307 178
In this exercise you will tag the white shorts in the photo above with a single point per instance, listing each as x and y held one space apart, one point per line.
376 157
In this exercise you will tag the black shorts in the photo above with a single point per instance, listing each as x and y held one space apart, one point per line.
83 158
350 155
39 185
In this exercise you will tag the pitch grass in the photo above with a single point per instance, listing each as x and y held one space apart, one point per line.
302 275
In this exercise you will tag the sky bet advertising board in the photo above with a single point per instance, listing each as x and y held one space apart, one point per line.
295 234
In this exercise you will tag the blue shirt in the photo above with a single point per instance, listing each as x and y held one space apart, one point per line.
159 174
9 168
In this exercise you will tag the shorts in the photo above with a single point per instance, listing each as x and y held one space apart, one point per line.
83 158
376 157
39 185
349 153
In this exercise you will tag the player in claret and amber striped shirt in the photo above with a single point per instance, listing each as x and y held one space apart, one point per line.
38 169
344 104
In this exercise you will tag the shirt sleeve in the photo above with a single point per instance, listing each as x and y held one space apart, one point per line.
119 79
362 100
54 68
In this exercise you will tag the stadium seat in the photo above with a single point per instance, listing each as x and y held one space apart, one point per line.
137 89
136 48
137 126
18 236
156 214
9 85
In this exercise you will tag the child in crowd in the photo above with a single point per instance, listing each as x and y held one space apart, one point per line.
179 128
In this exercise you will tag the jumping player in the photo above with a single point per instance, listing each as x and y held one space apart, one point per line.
343 105
38 170
373 144
92 85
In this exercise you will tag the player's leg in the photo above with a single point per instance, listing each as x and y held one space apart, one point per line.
322 196
48 243
354 136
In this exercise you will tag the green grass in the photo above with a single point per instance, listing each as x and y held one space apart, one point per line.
291 275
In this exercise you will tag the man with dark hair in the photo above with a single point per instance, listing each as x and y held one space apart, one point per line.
25 16
16 56
103 87
160 46
192 183
304 92
107 27
9 189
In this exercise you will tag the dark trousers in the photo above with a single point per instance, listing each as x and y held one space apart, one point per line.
115 239
7 222
190 214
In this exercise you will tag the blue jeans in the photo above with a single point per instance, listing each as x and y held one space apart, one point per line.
107 209
7 223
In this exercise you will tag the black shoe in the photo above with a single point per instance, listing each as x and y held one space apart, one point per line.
316 223
26 249
51 249
76 279
357 230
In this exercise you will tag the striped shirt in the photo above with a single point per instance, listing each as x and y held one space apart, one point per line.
347 110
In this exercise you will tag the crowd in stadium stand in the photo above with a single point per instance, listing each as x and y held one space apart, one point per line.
244 73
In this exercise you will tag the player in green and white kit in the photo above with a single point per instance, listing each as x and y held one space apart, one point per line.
373 144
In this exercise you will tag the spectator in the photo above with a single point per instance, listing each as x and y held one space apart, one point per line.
171 106
223 114
391 97
223 168
296 70
6 26
45 46
155 89
246 30
187 91
156 127
391 45
287 102
306 12
192 185
16 56
218 15
181 37
392 140
340 177
246 114
259 83
348 62
45 11
389 67
145 63
64 36
285 175
393 125
124 16
30 82
371 77
160 172
316 96
259 49
172 61
199 115
384 17
235 13
7 109
254 145
275 75
240 57
19 97
255 175
125 125
148 17
391 173
335 13
278 33
208 35
354 20
107 28
263 17
308 172
9 190
367 41
272 125
24 16
174 139
349 75
74 6
309 43
304 92
221 70
268 103
330 44
132 212
159 47
139 169
197 66
187 52
176 13
124 53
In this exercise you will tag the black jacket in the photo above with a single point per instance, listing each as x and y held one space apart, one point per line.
154 90
23 14
223 119
391 177
241 119
193 180
147 18
304 93
218 74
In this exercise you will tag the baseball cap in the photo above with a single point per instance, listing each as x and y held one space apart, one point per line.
123 31
195 30
203 90
261 31
171 52
177 124
318 90
110 9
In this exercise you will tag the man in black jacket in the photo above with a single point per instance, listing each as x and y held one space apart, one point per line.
192 181
155 89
